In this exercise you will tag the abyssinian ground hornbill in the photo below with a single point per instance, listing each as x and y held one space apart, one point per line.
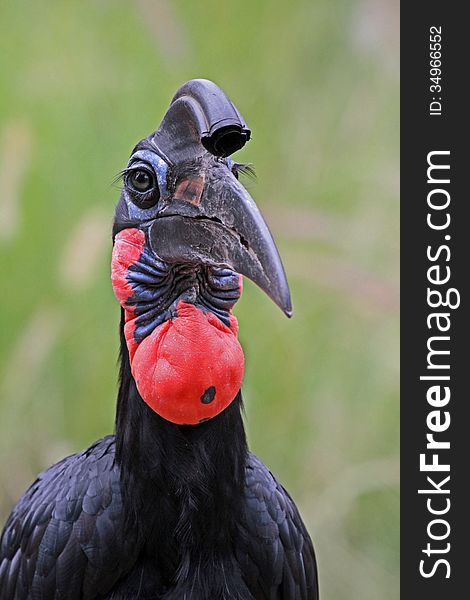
173 506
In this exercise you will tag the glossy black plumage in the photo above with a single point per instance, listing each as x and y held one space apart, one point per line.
67 538
64 539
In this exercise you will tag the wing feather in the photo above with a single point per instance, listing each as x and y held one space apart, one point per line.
273 548
65 538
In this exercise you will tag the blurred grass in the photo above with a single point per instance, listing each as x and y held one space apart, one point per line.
317 81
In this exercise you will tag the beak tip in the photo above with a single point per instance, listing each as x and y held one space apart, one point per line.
286 306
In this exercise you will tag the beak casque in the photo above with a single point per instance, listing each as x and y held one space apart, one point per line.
215 222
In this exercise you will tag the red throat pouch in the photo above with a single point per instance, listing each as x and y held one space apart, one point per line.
189 369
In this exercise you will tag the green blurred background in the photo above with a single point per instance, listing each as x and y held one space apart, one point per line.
317 81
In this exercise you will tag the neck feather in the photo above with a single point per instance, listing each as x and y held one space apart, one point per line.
181 484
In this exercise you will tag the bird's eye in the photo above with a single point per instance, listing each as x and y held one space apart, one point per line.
141 180
142 184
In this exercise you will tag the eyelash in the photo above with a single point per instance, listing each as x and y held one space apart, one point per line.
122 174
244 169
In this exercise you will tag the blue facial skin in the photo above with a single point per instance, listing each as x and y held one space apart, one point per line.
229 162
159 286
160 169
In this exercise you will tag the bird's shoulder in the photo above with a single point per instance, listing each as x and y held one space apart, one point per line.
65 537
274 550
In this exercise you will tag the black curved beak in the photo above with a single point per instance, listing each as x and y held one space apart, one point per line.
212 220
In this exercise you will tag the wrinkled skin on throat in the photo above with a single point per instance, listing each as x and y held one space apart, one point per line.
180 332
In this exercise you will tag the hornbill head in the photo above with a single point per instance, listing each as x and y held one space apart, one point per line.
185 231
